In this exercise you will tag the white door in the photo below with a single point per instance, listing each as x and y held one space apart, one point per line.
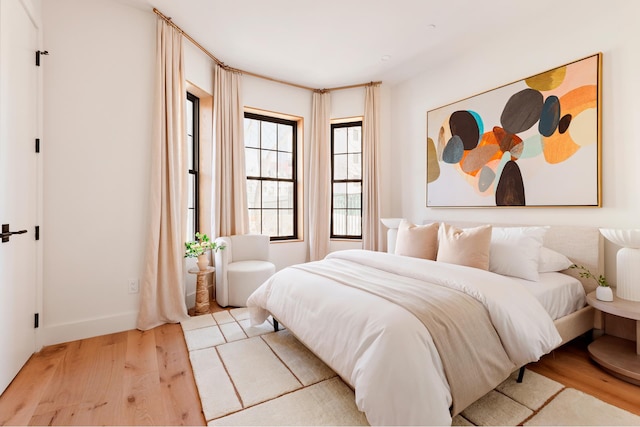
18 169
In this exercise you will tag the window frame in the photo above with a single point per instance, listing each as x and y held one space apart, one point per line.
195 137
336 125
294 173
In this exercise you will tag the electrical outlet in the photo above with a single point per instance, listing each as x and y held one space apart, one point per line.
134 286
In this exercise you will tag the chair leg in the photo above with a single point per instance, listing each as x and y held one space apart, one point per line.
276 325
520 375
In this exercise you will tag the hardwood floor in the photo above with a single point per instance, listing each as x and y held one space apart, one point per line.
145 378
127 378
571 365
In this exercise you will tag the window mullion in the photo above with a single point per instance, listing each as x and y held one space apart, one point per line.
344 212
193 176
270 152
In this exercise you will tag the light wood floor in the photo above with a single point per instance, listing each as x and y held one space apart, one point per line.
145 378
127 378
571 365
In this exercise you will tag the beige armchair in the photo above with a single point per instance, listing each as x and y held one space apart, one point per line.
241 267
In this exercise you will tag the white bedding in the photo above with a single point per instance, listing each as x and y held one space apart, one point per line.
558 293
381 349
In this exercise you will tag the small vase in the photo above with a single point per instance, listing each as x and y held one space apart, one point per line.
203 261
604 293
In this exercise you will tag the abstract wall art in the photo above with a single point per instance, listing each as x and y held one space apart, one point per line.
534 142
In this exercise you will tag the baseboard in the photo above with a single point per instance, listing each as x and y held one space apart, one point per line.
190 299
87 328
93 327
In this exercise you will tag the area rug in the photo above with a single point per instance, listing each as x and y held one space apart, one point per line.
253 376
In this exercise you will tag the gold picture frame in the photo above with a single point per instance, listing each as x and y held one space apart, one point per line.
534 142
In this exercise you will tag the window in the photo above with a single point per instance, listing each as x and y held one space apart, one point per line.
271 166
193 109
346 172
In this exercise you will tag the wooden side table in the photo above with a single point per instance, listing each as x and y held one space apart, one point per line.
619 356
202 292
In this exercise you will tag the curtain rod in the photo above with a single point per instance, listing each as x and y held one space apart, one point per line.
260 76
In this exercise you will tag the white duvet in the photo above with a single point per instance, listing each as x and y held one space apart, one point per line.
383 351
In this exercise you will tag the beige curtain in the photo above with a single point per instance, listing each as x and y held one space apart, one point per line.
231 215
320 177
371 170
162 292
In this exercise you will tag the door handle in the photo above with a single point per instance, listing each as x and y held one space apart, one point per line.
6 234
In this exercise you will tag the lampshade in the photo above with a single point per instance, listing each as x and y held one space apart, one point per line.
627 260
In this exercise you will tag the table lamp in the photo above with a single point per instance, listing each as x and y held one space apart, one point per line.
627 260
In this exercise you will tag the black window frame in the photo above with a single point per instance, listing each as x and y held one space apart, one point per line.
195 171
294 172
334 126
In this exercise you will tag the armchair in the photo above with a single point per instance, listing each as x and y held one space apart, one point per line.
241 267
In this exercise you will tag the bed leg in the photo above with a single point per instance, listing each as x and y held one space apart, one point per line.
520 375
276 325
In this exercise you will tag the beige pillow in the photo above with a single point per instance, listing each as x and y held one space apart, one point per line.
469 246
418 241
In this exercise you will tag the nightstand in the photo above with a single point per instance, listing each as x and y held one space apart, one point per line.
619 356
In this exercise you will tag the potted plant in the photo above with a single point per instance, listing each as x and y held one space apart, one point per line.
603 291
199 248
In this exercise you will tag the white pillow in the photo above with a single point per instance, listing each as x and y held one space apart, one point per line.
551 261
515 251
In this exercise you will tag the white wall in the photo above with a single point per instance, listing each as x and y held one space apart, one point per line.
524 49
98 93
198 67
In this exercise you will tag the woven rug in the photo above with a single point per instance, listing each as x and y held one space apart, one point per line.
252 376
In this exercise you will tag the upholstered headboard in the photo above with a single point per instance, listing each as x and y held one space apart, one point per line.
581 244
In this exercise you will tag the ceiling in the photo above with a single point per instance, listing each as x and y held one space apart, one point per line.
331 43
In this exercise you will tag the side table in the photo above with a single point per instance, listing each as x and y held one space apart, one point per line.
621 357
202 293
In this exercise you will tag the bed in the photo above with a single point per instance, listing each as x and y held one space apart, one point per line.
364 314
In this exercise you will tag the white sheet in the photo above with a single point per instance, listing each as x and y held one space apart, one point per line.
382 350
559 294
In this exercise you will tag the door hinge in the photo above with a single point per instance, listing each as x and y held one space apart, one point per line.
36 320
38 53
37 232
37 145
